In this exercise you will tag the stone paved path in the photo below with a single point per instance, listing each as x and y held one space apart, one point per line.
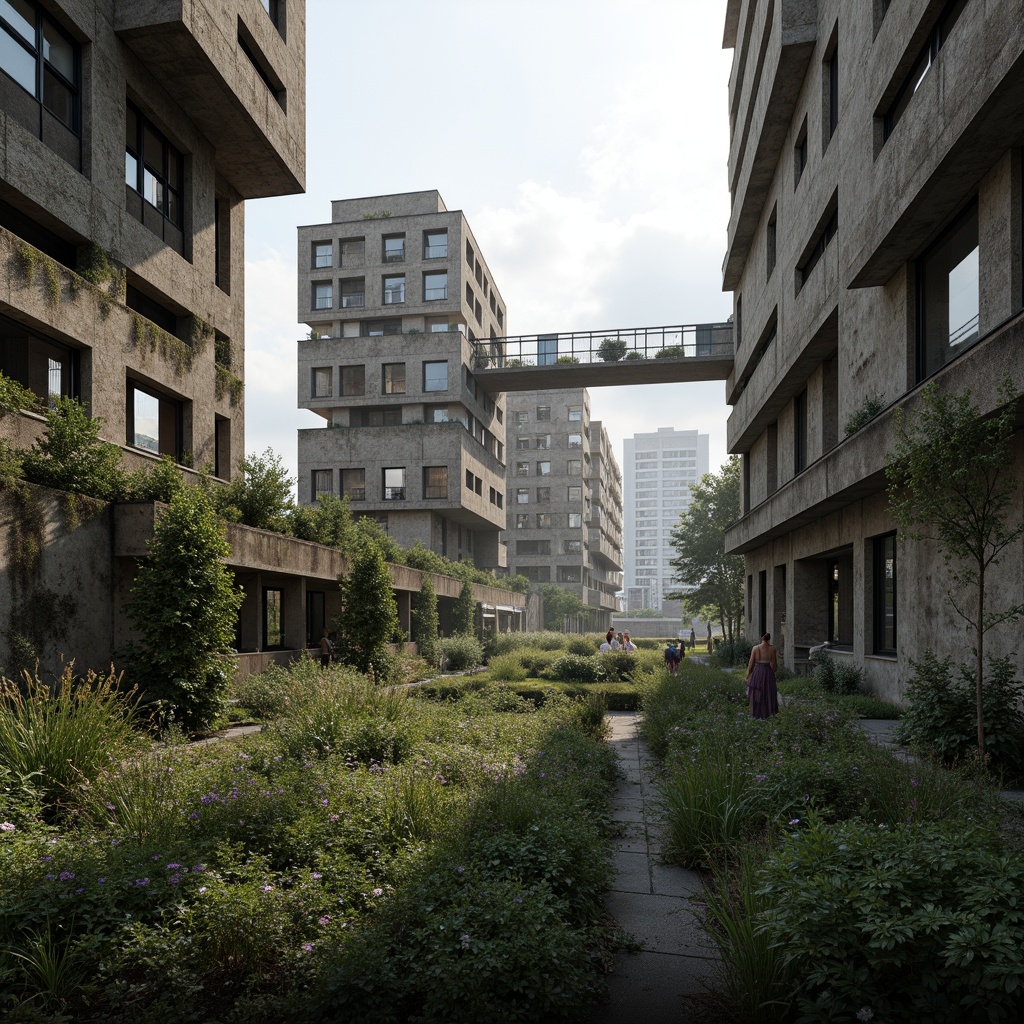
650 900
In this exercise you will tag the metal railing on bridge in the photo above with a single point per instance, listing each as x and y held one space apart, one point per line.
712 341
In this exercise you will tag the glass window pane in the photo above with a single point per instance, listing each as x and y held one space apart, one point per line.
21 17
18 62
435 376
58 98
964 300
131 171
147 421
57 49
173 167
173 212
153 189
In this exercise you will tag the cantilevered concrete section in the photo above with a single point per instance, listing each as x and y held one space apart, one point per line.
593 359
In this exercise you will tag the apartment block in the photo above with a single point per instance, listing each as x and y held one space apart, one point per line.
394 290
660 469
874 247
564 499
131 134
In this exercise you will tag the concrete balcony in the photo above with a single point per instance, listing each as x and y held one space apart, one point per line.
236 75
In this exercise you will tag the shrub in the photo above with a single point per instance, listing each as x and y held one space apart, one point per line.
619 666
265 693
941 719
919 923
868 410
669 352
261 495
835 676
464 610
733 652
575 668
633 354
580 645
62 737
184 603
460 652
369 622
611 350
426 623
507 668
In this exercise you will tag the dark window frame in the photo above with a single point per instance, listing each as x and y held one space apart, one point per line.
884 599
144 160
800 432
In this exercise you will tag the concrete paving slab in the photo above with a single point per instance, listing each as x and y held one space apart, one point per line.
670 880
662 924
628 814
652 988
632 872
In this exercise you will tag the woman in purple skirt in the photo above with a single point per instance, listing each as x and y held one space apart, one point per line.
761 689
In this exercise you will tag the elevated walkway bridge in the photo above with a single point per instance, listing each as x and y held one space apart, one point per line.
593 359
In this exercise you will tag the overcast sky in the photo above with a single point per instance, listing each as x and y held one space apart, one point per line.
585 140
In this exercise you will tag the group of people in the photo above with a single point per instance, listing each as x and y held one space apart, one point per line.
616 642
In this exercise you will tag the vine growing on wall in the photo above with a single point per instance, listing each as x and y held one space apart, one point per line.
147 337
226 383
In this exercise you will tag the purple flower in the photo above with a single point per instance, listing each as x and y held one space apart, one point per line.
794 821
6 826
140 882
100 881
50 878
156 856
307 947
174 879
79 890
66 876
268 888
378 892
325 920
45 860
324 802
913 782
315 874
174 864
198 868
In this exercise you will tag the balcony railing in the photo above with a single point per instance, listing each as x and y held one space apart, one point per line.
355 494
435 252
435 293
395 256
353 300
693 340
394 494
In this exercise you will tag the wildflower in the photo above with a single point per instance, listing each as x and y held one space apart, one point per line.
760 778
378 892
156 856
325 920
66 876
324 802
333 817
268 888
315 874
865 1013
174 864
198 868
6 826
109 806
460 870
913 782
466 941
77 891
202 888
140 882
794 821
50 878
174 879
45 860
307 947
195 815
101 881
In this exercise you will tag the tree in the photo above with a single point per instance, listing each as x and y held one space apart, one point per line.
711 576
369 619
950 480
184 604
327 521
261 496
464 612
611 350
426 623
559 603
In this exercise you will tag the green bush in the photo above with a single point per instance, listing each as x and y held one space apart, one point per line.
921 923
620 666
460 652
834 675
732 652
575 668
611 350
868 410
507 668
941 718
580 645
670 352
871 707
265 693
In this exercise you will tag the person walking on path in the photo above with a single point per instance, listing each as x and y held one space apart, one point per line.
761 687
671 658
693 639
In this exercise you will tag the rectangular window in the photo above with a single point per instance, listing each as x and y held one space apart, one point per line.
273 618
376 416
948 301
394 248
575 440
832 77
435 245
575 494
353 292
800 154
574 467
543 495
544 468
575 413
154 422
522 495
323 382
323 295
435 481
352 252
353 380
522 469
353 484
921 66
323 483
547 349
575 520
570 574
771 237
435 376
522 444
543 441
394 290
156 171
393 481
884 596
41 59
572 547
435 286
436 413
545 520
533 547
800 432
323 255
394 378
821 243
522 520
522 418
381 328
543 413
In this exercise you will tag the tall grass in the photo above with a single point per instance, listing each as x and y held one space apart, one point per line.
757 983
138 799
68 733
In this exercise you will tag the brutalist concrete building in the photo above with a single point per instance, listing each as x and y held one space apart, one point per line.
131 133
394 290
874 245
564 499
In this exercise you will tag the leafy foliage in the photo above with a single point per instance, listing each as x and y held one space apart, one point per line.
464 611
834 676
426 623
575 668
369 621
71 456
949 479
559 604
14 397
261 496
867 411
327 521
183 604
461 651
714 578
611 350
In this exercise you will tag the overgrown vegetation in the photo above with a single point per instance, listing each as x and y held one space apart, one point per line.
846 884
865 413
369 619
334 867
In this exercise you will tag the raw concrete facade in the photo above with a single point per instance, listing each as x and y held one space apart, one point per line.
660 469
874 245
564 499
128 144
394 291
